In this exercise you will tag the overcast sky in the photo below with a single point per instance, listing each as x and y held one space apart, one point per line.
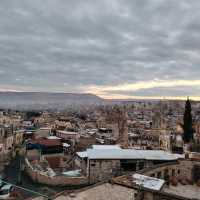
113 48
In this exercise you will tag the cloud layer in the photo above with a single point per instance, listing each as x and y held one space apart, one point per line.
105 47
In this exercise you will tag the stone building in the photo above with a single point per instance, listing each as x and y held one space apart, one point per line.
18 137
6 138
118 116
165 140
158 121
102 164
68 136
148 185
6 145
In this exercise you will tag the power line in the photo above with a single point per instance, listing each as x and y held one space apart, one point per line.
26 189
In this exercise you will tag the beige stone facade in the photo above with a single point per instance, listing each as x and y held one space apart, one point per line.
101 170
18 137
181 168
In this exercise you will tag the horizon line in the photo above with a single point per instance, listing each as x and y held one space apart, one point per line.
113 97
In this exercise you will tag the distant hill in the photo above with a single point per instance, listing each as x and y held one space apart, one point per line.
43 100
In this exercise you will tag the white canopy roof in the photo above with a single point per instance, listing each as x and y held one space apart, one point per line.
106 147
115 154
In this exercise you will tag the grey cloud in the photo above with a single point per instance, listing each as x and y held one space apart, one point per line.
64 44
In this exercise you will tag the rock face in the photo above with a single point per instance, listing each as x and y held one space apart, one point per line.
38 100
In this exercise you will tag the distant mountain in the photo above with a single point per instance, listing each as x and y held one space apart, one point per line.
42 100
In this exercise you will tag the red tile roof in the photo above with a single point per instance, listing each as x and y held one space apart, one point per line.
49 143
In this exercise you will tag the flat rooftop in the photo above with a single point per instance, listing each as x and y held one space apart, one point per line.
104 191
187 191
120 154
106 147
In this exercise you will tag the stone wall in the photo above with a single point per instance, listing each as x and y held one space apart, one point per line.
37 177
101 170
181 168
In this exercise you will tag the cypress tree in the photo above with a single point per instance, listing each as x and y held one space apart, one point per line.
188 130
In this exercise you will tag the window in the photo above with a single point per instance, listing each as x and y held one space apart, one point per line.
166 171
128 165
166 175
141 165
159 175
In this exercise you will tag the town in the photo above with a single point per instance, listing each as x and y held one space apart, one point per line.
99 100
125 150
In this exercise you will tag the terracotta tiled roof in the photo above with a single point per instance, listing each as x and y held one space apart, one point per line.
51 142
